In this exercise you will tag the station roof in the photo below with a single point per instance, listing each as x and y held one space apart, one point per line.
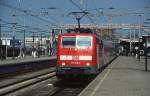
128 40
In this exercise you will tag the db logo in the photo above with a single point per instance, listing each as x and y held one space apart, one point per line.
75 58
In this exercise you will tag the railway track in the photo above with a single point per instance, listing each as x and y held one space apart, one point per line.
45 85
53 87
21 82
70 88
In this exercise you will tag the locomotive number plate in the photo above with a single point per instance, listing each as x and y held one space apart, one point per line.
75 57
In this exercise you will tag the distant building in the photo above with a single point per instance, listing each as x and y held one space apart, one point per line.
9 42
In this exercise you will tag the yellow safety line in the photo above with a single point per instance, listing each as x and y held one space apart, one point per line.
99 84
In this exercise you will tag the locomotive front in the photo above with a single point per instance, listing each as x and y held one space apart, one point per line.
76 54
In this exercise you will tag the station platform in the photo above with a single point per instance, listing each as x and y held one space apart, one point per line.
26 59
125 76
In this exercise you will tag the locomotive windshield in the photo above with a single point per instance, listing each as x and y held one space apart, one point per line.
76 42
83 42
69 42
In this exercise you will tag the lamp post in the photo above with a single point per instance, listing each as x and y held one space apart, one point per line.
41 44
24 35
38 46
0 32
0 41
14 29
146 55
33 45
139 25
139 45
145 40
131 40
24 41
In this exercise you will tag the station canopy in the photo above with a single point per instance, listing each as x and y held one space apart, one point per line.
128 40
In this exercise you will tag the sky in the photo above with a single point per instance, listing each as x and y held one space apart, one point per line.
46 13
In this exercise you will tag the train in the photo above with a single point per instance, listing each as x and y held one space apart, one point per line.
82 54
8 51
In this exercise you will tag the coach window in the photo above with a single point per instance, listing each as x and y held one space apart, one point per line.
68 42
84 42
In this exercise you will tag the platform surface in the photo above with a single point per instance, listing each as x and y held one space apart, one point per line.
125 76
26 59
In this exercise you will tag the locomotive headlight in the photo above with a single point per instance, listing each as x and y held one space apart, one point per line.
63 63
87 64
75 49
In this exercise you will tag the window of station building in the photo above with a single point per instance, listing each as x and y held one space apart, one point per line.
84 42
69 42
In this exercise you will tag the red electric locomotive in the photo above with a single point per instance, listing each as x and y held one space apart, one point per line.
80 54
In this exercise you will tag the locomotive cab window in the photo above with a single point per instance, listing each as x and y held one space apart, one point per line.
69 42
84 42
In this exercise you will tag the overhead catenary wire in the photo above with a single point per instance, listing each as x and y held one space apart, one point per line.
19 25
29 28
82 11
28 12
